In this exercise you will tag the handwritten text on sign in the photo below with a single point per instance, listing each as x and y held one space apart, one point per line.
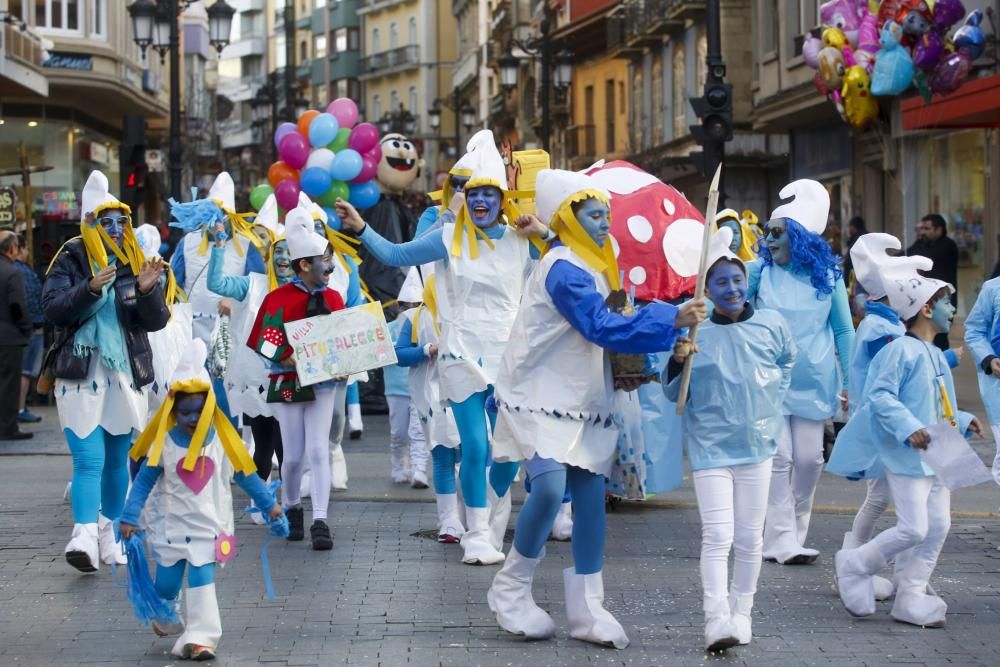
342 343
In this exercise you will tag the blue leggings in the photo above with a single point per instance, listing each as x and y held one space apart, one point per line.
353 394
444 469
470 417
100 474
170 578
539 512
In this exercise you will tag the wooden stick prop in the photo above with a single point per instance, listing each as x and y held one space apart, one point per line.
699 290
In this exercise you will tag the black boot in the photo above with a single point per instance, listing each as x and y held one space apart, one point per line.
322 540
296 525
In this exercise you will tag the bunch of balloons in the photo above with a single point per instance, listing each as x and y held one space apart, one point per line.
873 48
327 155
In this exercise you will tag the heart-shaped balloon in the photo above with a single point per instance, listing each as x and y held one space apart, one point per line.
196 479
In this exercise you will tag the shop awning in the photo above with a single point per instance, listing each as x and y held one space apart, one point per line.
975 104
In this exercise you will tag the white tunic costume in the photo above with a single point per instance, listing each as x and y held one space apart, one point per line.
205 304
246 375
424 388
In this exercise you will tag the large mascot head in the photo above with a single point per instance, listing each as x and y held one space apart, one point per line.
400 164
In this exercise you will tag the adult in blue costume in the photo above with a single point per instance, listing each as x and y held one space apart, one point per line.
982 335
798 275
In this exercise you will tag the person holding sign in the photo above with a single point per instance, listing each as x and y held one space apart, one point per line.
555 403
798 275
731 427
481 272
909 389
303 413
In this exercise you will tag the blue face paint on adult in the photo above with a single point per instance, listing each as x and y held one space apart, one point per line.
737 234
282 262
187 411
595 218
776 239
484 205
113 221
727 288
943 314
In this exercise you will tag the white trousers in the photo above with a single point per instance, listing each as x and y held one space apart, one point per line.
798 464
876 502
406 433
305 434
732 503
996 461
923 519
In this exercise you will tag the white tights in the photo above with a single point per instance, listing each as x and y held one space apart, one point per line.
406 432
996 461
876 502
798 464
305 433
732 503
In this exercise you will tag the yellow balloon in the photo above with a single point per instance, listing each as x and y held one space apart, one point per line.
860 107
834 37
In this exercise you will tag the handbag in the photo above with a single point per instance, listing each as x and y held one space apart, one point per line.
60 362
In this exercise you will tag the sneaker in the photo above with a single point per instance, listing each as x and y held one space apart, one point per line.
322 540
164 628
17 435
198 653
27 417
296 525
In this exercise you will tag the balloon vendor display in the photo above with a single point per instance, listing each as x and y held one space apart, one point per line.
879 49
325 154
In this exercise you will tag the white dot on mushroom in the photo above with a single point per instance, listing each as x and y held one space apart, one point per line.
669 207
637 275
639 228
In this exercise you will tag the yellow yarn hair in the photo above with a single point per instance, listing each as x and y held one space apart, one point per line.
748 234
465 227
574 236
97 242
430 304
241 227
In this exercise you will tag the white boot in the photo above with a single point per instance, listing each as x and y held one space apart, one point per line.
562 527
883 587
354 423
338 469
478 550
740 607
499 515
510 598
916 603
450 528
588 619
720 633
852 575
82 551
419 479
398 468
203 627
112 551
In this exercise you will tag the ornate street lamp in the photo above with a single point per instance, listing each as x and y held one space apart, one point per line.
165 18
509 65
142 13
220 24
564 69
434 116
468 117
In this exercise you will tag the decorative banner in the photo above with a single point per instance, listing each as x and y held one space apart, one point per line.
342 343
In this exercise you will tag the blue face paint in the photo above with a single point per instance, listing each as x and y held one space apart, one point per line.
484 204
595 218
943 314
320 227
319 271
187 411
113 221
727 288
737 234
776 239
282 262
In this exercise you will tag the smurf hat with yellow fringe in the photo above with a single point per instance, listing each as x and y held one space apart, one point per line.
95 200
748 237
190 377
342 244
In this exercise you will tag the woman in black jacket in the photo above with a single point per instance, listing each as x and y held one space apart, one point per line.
104 297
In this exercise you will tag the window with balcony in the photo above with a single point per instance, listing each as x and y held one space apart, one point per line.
319 46
769 26
394 100
412 29
99 19
346 88
393 35
62 16
376 45
303 51
413 98
376 106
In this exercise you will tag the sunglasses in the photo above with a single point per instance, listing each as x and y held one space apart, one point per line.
110 220
774 232
458 183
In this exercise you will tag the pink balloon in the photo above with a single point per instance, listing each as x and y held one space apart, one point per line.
369 168
283 131
363 138
344 110
294 150
375 154
287 194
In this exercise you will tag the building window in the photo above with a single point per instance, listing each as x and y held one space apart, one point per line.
64 16
769 26
376 107
279 53
99 19
319 46
413 98
413 30
319 4
303 51
376 41
680 99
393 35
16 8
610 116
319 95
345 88
393 101
656 81
346 39
353 39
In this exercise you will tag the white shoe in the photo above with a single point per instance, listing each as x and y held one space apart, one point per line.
854 584
720 633
203 626
338 469
785 550
499 515
419 479
450 528
589 621
915 608
510 598
478 550
740 607
82 551
884 588
562 528
112 550
355 425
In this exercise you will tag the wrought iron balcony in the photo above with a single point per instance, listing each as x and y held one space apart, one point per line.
646 21
405 57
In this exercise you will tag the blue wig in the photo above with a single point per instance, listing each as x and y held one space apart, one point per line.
192 216
810 254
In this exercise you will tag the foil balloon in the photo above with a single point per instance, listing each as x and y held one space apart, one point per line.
920 83
914 16
946 14
893 71
842 14
831 68
887 12
927 51
868 44
810 50
970 37
834 37
860 107
950 73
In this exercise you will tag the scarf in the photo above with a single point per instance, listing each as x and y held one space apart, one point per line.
101 331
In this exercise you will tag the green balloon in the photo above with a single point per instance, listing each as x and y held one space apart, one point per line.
329 198
341 190
259 195
340 143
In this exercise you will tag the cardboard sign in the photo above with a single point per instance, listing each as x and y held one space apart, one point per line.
342 343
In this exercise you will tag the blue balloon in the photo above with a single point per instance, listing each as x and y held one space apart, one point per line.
347 164
315 181
364 195
323 130
332 219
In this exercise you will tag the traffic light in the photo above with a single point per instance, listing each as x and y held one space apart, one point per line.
132 161
715 109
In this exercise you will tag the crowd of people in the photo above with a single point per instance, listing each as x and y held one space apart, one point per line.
515 345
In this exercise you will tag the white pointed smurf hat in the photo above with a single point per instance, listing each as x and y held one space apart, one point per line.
870 256
412 290
908 290
718 247
303 241
267 217
315 210
190 369
810 205
96 196
485 162
149 240
726 214
554 187
223 192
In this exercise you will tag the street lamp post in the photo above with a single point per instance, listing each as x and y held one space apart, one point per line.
465 116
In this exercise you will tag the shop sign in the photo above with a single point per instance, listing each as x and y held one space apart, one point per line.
69 61
99 153
60 204
151 82
8 205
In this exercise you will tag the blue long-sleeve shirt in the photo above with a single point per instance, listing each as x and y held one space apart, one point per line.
254 263
148 475
408 353
234 287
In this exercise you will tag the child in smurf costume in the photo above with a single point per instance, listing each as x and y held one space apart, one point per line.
192 451
556 405
982 335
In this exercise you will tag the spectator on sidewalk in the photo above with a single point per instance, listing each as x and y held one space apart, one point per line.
934 243
31 366
15 328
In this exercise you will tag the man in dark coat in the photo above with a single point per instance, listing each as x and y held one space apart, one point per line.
933 242
15 328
